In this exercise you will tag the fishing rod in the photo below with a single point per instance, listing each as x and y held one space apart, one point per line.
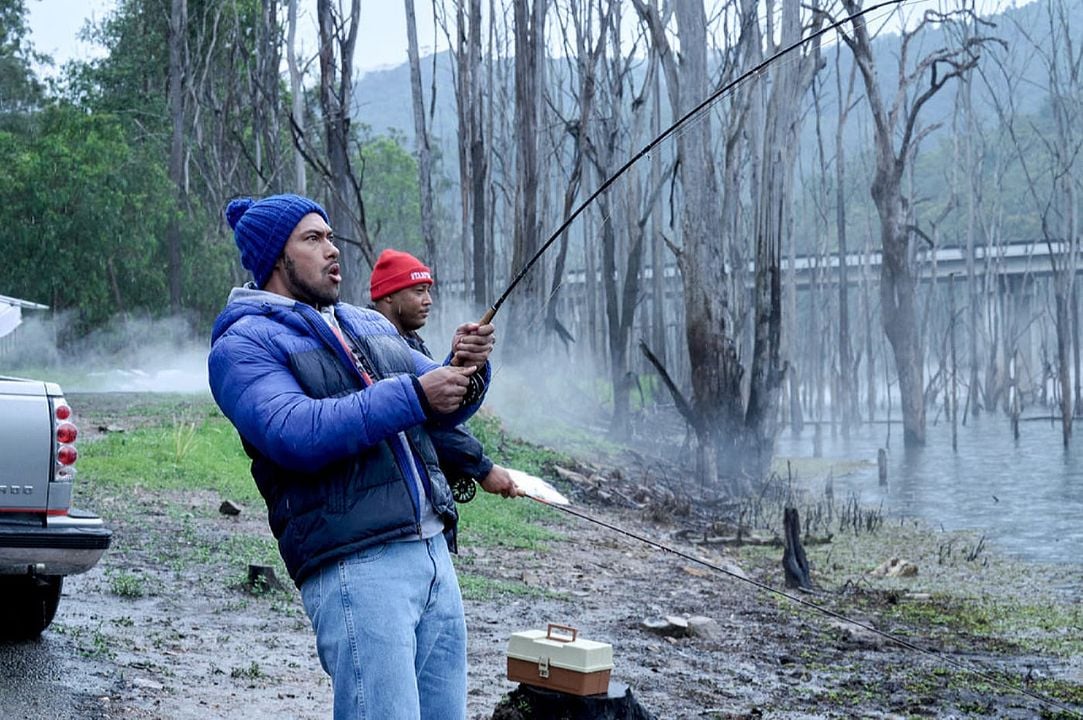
758 68
982 674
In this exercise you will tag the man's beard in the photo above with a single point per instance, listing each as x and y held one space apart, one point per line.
305 292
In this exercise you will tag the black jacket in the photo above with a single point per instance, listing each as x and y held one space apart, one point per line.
460 453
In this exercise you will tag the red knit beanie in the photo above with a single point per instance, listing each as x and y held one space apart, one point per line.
396 270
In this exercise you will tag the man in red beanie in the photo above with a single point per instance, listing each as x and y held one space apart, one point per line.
399 287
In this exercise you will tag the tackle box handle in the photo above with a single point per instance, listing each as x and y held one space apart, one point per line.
562 637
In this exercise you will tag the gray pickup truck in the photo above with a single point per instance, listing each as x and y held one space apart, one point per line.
42 538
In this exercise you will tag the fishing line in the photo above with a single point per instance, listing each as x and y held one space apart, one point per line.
754 72
989 678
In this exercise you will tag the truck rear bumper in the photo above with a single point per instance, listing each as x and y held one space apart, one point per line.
67 545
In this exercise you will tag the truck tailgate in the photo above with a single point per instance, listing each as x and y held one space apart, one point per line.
26 446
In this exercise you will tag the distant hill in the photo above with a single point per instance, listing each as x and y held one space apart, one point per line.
382 97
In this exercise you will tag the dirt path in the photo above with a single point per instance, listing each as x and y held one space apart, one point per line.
160 630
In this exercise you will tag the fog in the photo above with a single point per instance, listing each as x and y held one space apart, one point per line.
128 355
534 395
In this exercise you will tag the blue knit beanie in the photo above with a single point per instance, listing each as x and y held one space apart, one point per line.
262 227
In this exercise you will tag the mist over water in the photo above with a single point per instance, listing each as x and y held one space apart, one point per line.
1025 496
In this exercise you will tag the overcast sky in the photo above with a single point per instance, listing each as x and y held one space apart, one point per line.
55 25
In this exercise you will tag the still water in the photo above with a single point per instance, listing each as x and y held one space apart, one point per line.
1025 496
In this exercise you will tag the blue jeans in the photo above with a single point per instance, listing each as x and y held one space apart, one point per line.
390 632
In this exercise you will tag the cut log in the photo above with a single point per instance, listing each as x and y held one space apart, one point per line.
533 703
794 563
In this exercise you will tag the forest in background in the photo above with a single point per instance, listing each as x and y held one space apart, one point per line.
962 131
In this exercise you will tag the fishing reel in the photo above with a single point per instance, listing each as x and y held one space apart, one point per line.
463 488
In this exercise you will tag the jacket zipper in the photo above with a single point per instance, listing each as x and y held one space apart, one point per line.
411 489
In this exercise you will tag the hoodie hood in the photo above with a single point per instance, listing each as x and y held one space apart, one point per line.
249 300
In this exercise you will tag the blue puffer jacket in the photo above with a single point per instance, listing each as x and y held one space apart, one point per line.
332 458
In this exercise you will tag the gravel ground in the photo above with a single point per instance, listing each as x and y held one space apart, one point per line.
161 629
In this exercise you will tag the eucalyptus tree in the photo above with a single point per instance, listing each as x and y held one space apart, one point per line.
297 97
712 354
847 363
178 70
898 134
585 33
421 137
623 243
473 150
772 224
343 185
734 420
196 83
79 199
529 34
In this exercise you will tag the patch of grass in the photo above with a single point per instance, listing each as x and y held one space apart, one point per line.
252 672
1034 627
476 587
127 584
490 520
175 455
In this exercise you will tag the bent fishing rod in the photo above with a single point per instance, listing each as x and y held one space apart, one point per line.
902 642
710 100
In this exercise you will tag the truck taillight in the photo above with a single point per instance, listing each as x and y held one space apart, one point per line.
66 432
67 455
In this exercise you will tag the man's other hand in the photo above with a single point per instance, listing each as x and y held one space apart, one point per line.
499 482
445 387
472 344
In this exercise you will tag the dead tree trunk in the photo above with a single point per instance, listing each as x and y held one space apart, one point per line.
529 53
338 38
424 152
297 97
771 224
712 354
795 565
897 136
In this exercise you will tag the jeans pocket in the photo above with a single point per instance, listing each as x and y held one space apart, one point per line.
367 555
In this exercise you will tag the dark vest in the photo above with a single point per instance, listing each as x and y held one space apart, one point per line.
358 502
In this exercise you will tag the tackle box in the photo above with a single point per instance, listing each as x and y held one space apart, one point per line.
557 659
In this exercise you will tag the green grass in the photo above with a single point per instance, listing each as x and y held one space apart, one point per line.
127 584
174 455
490 520
188 445
476 587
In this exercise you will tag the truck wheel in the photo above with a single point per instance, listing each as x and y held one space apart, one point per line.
27 604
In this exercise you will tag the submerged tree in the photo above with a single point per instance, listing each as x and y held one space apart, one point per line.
897 136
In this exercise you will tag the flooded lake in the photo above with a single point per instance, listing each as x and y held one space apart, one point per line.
1025 496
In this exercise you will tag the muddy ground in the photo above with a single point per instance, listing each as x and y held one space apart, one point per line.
161 629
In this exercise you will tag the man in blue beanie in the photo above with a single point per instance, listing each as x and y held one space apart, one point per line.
334 409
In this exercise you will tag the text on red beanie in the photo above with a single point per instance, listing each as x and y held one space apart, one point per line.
396 270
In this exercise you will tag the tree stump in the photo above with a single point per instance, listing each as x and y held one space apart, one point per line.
262 579
527 702
794 563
